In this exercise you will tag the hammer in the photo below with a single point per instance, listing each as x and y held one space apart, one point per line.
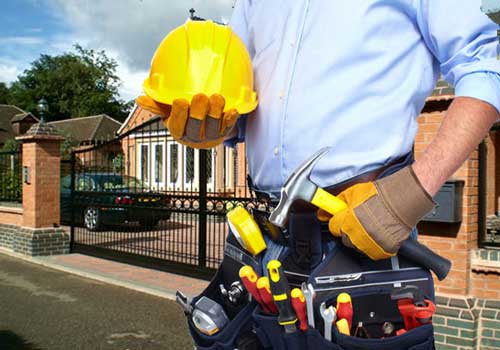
299 186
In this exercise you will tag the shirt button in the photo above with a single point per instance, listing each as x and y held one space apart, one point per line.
276 151
282 94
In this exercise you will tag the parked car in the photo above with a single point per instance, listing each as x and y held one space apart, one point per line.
102 199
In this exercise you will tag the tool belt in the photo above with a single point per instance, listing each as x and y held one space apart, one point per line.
310 254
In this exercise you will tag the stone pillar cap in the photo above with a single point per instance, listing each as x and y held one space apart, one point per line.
41 131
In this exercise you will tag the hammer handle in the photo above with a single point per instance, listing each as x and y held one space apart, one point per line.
410 248
328 202
422 255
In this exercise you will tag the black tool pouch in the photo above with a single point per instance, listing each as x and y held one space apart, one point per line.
272 336
239 330
369 283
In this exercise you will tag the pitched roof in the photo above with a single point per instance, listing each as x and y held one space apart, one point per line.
492 9
137 116
88 129
21 116
7 112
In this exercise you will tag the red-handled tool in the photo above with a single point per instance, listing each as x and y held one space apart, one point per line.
299 305
249 278
344 308
264 289
414 309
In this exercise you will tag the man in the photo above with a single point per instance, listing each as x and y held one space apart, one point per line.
354 76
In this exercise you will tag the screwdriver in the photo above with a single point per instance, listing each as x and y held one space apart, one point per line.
344 308
264 289
249 279
299 305
281 296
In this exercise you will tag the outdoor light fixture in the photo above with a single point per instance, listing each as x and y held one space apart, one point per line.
43 107
26 175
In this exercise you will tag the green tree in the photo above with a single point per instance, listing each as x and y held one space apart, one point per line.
4 93
75 84
11 145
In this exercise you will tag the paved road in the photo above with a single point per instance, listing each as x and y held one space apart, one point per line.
44 309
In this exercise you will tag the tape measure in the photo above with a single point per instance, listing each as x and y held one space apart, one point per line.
246 230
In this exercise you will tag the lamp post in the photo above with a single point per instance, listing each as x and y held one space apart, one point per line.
43 107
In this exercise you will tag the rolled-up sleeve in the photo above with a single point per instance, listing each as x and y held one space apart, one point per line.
465 43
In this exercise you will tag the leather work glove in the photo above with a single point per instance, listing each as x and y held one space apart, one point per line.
201 124
380 214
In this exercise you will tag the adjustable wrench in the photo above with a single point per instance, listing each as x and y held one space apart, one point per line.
309 294
329 316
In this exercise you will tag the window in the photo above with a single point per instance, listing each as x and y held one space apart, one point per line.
85 183
174 163
158 164
210 162
189 165
144 159
66 183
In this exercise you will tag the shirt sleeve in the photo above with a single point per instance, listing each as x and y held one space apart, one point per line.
465 43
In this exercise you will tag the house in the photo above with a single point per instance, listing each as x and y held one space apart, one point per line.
86 132
153 156
14 122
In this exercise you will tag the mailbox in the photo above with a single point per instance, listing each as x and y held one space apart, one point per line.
448 203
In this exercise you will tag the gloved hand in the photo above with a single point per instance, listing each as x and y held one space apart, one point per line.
380 214
203 124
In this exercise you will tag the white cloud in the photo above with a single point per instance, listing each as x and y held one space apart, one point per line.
21 40
8 73
128 30
134 28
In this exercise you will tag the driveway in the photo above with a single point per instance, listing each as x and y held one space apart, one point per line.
44 309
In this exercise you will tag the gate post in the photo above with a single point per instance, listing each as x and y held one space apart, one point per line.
40 233
202 223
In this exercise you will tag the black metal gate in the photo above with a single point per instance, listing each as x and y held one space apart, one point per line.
143 198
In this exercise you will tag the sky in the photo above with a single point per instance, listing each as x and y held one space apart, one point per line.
128 30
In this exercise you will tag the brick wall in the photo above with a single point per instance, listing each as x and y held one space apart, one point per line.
34 229
468 302
41 202
11 215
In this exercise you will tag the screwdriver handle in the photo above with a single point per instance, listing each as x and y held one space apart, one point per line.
281 294
249 278
264 289
299 305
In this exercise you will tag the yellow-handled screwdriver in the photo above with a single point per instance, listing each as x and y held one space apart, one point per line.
281 296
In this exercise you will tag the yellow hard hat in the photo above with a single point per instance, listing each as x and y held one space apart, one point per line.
202 57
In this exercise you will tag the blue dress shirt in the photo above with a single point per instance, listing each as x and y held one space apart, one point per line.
354 75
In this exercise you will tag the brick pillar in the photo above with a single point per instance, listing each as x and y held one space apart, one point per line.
40 233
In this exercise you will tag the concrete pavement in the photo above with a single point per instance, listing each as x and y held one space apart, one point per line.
45 309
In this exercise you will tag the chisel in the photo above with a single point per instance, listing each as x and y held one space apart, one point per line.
281 296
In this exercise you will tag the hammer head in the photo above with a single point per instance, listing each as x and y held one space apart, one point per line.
298 186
